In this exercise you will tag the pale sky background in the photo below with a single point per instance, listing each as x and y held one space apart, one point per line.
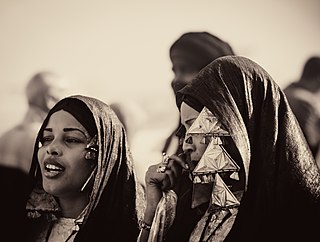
119 50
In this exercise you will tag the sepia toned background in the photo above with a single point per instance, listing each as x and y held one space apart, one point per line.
118 51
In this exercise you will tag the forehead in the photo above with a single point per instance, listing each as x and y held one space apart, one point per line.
64 119
187 113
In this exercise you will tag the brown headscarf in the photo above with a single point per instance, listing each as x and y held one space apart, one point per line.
116 197
282 194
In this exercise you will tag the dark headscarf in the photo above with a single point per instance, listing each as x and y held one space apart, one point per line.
200 48
116 198
304 102
282 194
197 49
311 69
77 109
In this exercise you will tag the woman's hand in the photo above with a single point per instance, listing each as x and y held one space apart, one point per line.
159 178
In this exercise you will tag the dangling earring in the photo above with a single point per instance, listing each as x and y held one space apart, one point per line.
89 178
36 171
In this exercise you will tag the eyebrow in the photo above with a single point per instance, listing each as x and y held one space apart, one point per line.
68 130
190 120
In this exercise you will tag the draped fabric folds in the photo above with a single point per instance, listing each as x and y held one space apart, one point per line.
164 217
116 199
282 182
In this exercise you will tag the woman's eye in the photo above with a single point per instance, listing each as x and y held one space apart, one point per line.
181 132
73 140
46 140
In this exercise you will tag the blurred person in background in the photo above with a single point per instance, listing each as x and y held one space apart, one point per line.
43 90
304 99
134 118
189 54
131 115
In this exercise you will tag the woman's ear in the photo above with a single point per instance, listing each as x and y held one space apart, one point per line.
90 155
92 149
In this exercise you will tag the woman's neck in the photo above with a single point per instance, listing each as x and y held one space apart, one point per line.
72 207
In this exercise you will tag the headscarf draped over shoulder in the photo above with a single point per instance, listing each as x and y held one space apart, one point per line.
282 179
114 205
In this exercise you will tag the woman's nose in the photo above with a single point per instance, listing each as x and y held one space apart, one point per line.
188 145
54 148
178 83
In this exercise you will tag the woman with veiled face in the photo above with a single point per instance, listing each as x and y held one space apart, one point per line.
246 172
84 183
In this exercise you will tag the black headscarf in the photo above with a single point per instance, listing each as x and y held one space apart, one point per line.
311 70
199 48
77 109
282 195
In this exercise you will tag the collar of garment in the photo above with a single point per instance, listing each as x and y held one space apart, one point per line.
41 202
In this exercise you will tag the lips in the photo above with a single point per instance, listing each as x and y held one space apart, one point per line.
52 168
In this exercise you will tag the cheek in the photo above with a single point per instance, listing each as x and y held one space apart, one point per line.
200 148
41 154
190 76
77 171
82 167
187 78
80 173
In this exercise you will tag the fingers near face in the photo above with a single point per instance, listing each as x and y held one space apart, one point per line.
166 178
173 172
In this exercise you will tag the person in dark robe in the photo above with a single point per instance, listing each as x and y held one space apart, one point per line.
304 99
247 172
189 54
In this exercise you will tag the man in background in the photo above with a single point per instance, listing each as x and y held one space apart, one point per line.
43 90
304 99
189 54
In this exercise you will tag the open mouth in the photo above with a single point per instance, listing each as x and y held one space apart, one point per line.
52 168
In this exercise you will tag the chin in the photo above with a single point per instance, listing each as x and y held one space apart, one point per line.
51 189
195 162
195 159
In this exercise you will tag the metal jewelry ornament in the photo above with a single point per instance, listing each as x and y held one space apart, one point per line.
163 166
144 225
165 159
89 178
90 155
92 149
